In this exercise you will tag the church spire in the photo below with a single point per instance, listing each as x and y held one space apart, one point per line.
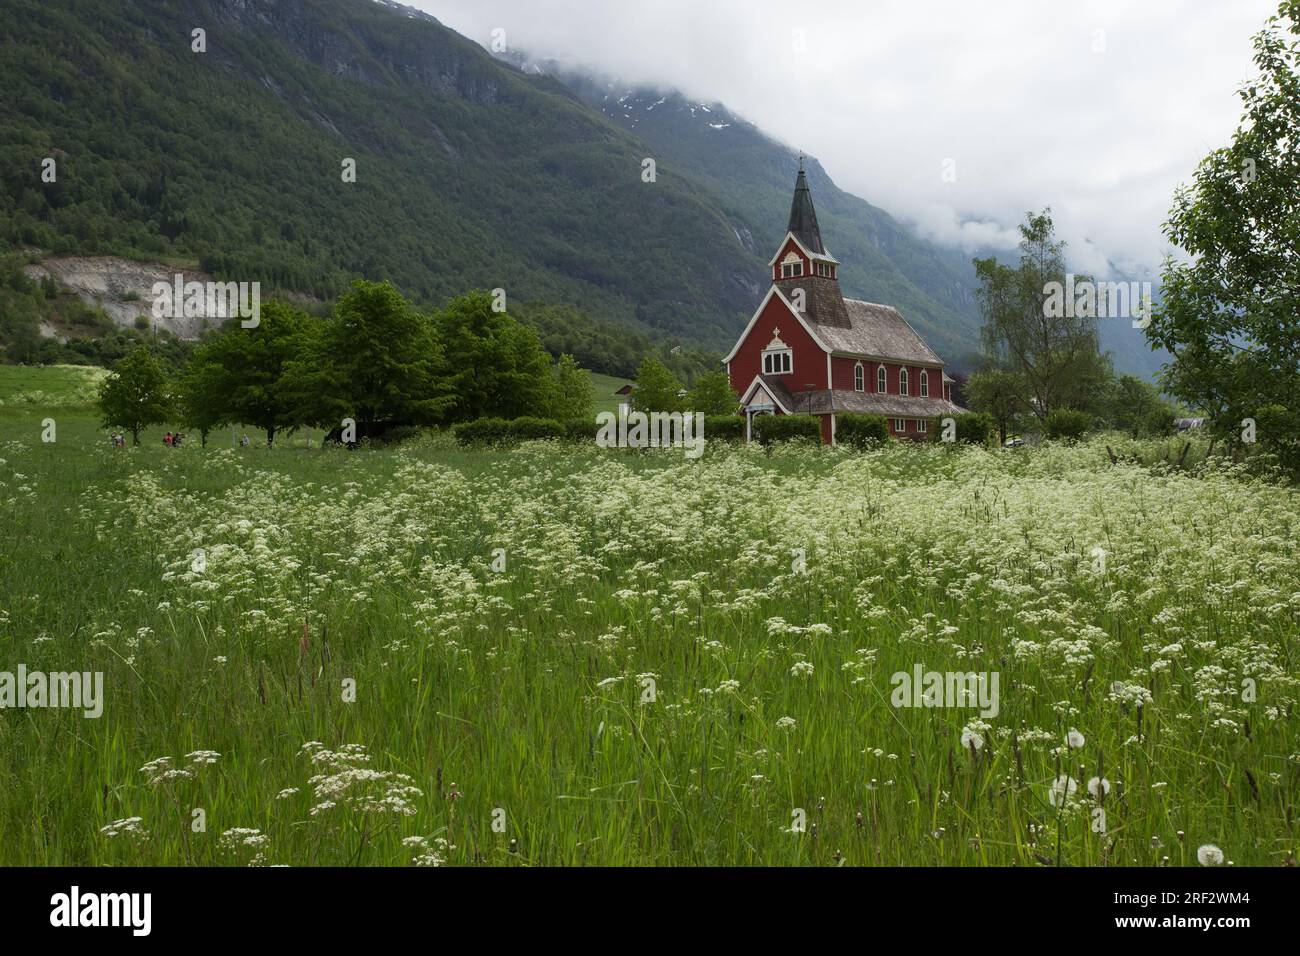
803 218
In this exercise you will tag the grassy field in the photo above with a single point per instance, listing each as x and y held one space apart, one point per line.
564 655
604 387
49 386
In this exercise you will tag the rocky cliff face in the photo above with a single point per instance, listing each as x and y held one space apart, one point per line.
123 289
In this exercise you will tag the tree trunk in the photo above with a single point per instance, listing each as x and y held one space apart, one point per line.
135 436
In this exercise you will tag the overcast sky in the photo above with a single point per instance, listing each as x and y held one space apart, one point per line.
1098 108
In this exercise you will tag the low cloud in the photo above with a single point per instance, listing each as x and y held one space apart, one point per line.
1097 108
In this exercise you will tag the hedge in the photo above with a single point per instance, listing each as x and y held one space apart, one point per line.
530 429
498 431
859 430
724 428
482 431
401 433
777 428
580 430
1067 425
973 428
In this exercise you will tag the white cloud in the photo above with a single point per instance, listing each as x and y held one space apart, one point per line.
1098 108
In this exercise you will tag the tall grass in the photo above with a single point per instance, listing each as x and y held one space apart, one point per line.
632 686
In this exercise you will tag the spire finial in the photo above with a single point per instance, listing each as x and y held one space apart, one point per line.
801 162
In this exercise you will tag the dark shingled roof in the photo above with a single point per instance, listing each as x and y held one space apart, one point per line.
891 406
777 389
875 331
821 400
823 303
803 218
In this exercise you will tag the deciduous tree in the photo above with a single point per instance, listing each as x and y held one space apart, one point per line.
1230 313
135 395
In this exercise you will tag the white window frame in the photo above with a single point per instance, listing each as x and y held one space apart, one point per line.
791 270
925 384
900 425
778 361
902 381
859 378
882 381
922 426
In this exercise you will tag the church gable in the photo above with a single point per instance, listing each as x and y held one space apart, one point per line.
791 262
780 344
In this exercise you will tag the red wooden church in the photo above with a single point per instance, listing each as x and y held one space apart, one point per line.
810 351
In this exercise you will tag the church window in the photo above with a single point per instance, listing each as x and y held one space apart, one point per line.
778 362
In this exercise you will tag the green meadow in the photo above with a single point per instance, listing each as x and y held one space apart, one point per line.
559 654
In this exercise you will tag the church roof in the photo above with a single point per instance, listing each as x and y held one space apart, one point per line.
803 218
868 403
874 331
819 401
823 303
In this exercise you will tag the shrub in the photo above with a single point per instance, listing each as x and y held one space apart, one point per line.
1277 425
858 430
579 430
400 433
724 428
973 428
777 428
482 431
1067 425
527 429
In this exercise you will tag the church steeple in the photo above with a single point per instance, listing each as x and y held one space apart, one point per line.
803 218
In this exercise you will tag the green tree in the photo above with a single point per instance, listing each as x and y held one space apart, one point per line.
1053 352
135 395
657 389
1135 406
998 394
574 397
237 376
1067 424
494 365
375 360
712 394
1230 313
200 398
